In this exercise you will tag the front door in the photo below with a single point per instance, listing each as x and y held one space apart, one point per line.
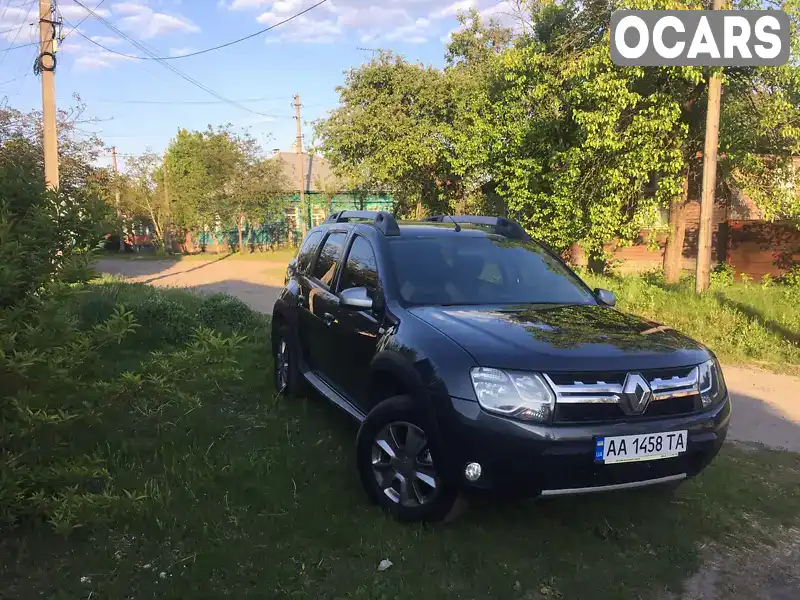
357 331
321 303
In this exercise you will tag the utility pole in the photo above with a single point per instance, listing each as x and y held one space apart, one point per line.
46 65
703 273
299 144
116 199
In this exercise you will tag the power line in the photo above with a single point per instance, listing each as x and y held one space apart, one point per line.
3 59
175 70
86 16
225 45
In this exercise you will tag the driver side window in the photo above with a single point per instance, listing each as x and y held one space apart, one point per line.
361 269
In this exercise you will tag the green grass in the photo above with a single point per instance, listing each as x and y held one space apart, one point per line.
256 496
740 322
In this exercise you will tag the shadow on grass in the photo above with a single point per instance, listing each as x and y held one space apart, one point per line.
757 316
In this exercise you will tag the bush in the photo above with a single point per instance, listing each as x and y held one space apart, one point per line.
722 275
225 313
71 431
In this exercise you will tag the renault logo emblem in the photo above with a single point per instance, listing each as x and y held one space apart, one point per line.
636 393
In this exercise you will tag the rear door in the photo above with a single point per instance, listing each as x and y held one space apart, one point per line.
357 331
321 302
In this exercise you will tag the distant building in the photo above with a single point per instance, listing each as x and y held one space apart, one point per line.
324 193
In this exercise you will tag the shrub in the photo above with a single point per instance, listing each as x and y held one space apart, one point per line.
722 275
226 313
70 431
792 277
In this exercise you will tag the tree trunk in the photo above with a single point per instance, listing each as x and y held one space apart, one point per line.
673 251
241 233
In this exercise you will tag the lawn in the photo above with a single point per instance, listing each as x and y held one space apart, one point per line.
239 493
740 322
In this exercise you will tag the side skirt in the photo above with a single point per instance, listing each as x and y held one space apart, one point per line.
331 394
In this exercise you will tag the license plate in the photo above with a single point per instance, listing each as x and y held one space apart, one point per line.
634 448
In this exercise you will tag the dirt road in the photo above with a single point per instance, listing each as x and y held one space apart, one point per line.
766 406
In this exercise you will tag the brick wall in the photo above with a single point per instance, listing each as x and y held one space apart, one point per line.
639 257
759 248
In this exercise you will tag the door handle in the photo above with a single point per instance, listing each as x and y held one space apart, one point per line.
329 319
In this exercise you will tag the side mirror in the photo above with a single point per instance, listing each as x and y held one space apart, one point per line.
355 298
606 297
291 268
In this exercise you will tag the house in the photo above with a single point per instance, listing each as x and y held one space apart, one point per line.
323 192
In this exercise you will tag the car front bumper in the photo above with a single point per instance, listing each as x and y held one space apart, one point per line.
550 460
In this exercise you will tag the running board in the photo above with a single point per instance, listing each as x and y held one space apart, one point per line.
331 394
618 486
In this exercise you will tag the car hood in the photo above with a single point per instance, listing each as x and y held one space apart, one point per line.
562 337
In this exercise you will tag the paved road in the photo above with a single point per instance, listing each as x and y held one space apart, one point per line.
766 406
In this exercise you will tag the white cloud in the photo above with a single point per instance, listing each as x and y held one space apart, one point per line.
73 12
145 23
398 21
20 25
181 51
107 40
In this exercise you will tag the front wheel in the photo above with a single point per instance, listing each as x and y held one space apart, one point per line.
397 461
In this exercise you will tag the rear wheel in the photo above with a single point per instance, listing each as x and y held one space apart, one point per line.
397 462
288 379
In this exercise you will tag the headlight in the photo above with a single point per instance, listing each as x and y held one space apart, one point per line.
711 383
515 394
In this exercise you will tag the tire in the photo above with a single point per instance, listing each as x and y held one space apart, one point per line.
397 456
288 380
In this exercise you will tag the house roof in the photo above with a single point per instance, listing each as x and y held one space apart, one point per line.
316 171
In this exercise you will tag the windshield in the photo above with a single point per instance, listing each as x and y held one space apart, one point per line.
482 270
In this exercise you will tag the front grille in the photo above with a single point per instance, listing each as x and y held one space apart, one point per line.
598 396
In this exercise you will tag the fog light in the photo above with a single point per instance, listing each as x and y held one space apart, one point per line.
472 472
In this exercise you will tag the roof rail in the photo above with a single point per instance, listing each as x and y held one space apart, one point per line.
383 221
500 225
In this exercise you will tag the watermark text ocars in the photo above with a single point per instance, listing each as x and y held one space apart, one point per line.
700 37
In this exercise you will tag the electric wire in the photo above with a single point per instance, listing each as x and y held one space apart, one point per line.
225 45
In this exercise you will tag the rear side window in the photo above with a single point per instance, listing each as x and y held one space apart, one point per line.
308 250
361 269
330 256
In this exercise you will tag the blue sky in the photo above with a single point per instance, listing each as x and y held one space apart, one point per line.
146 103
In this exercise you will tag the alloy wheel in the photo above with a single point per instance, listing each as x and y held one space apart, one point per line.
282 365
402 465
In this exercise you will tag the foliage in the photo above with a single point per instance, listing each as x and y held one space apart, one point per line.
45 236
142 193
543 126
68 374
722 275
219 177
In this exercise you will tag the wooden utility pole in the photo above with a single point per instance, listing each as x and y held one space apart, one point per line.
116 199
46 65
703 273
300 173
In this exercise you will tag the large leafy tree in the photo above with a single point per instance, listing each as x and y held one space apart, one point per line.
543 126
392 132
220 176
